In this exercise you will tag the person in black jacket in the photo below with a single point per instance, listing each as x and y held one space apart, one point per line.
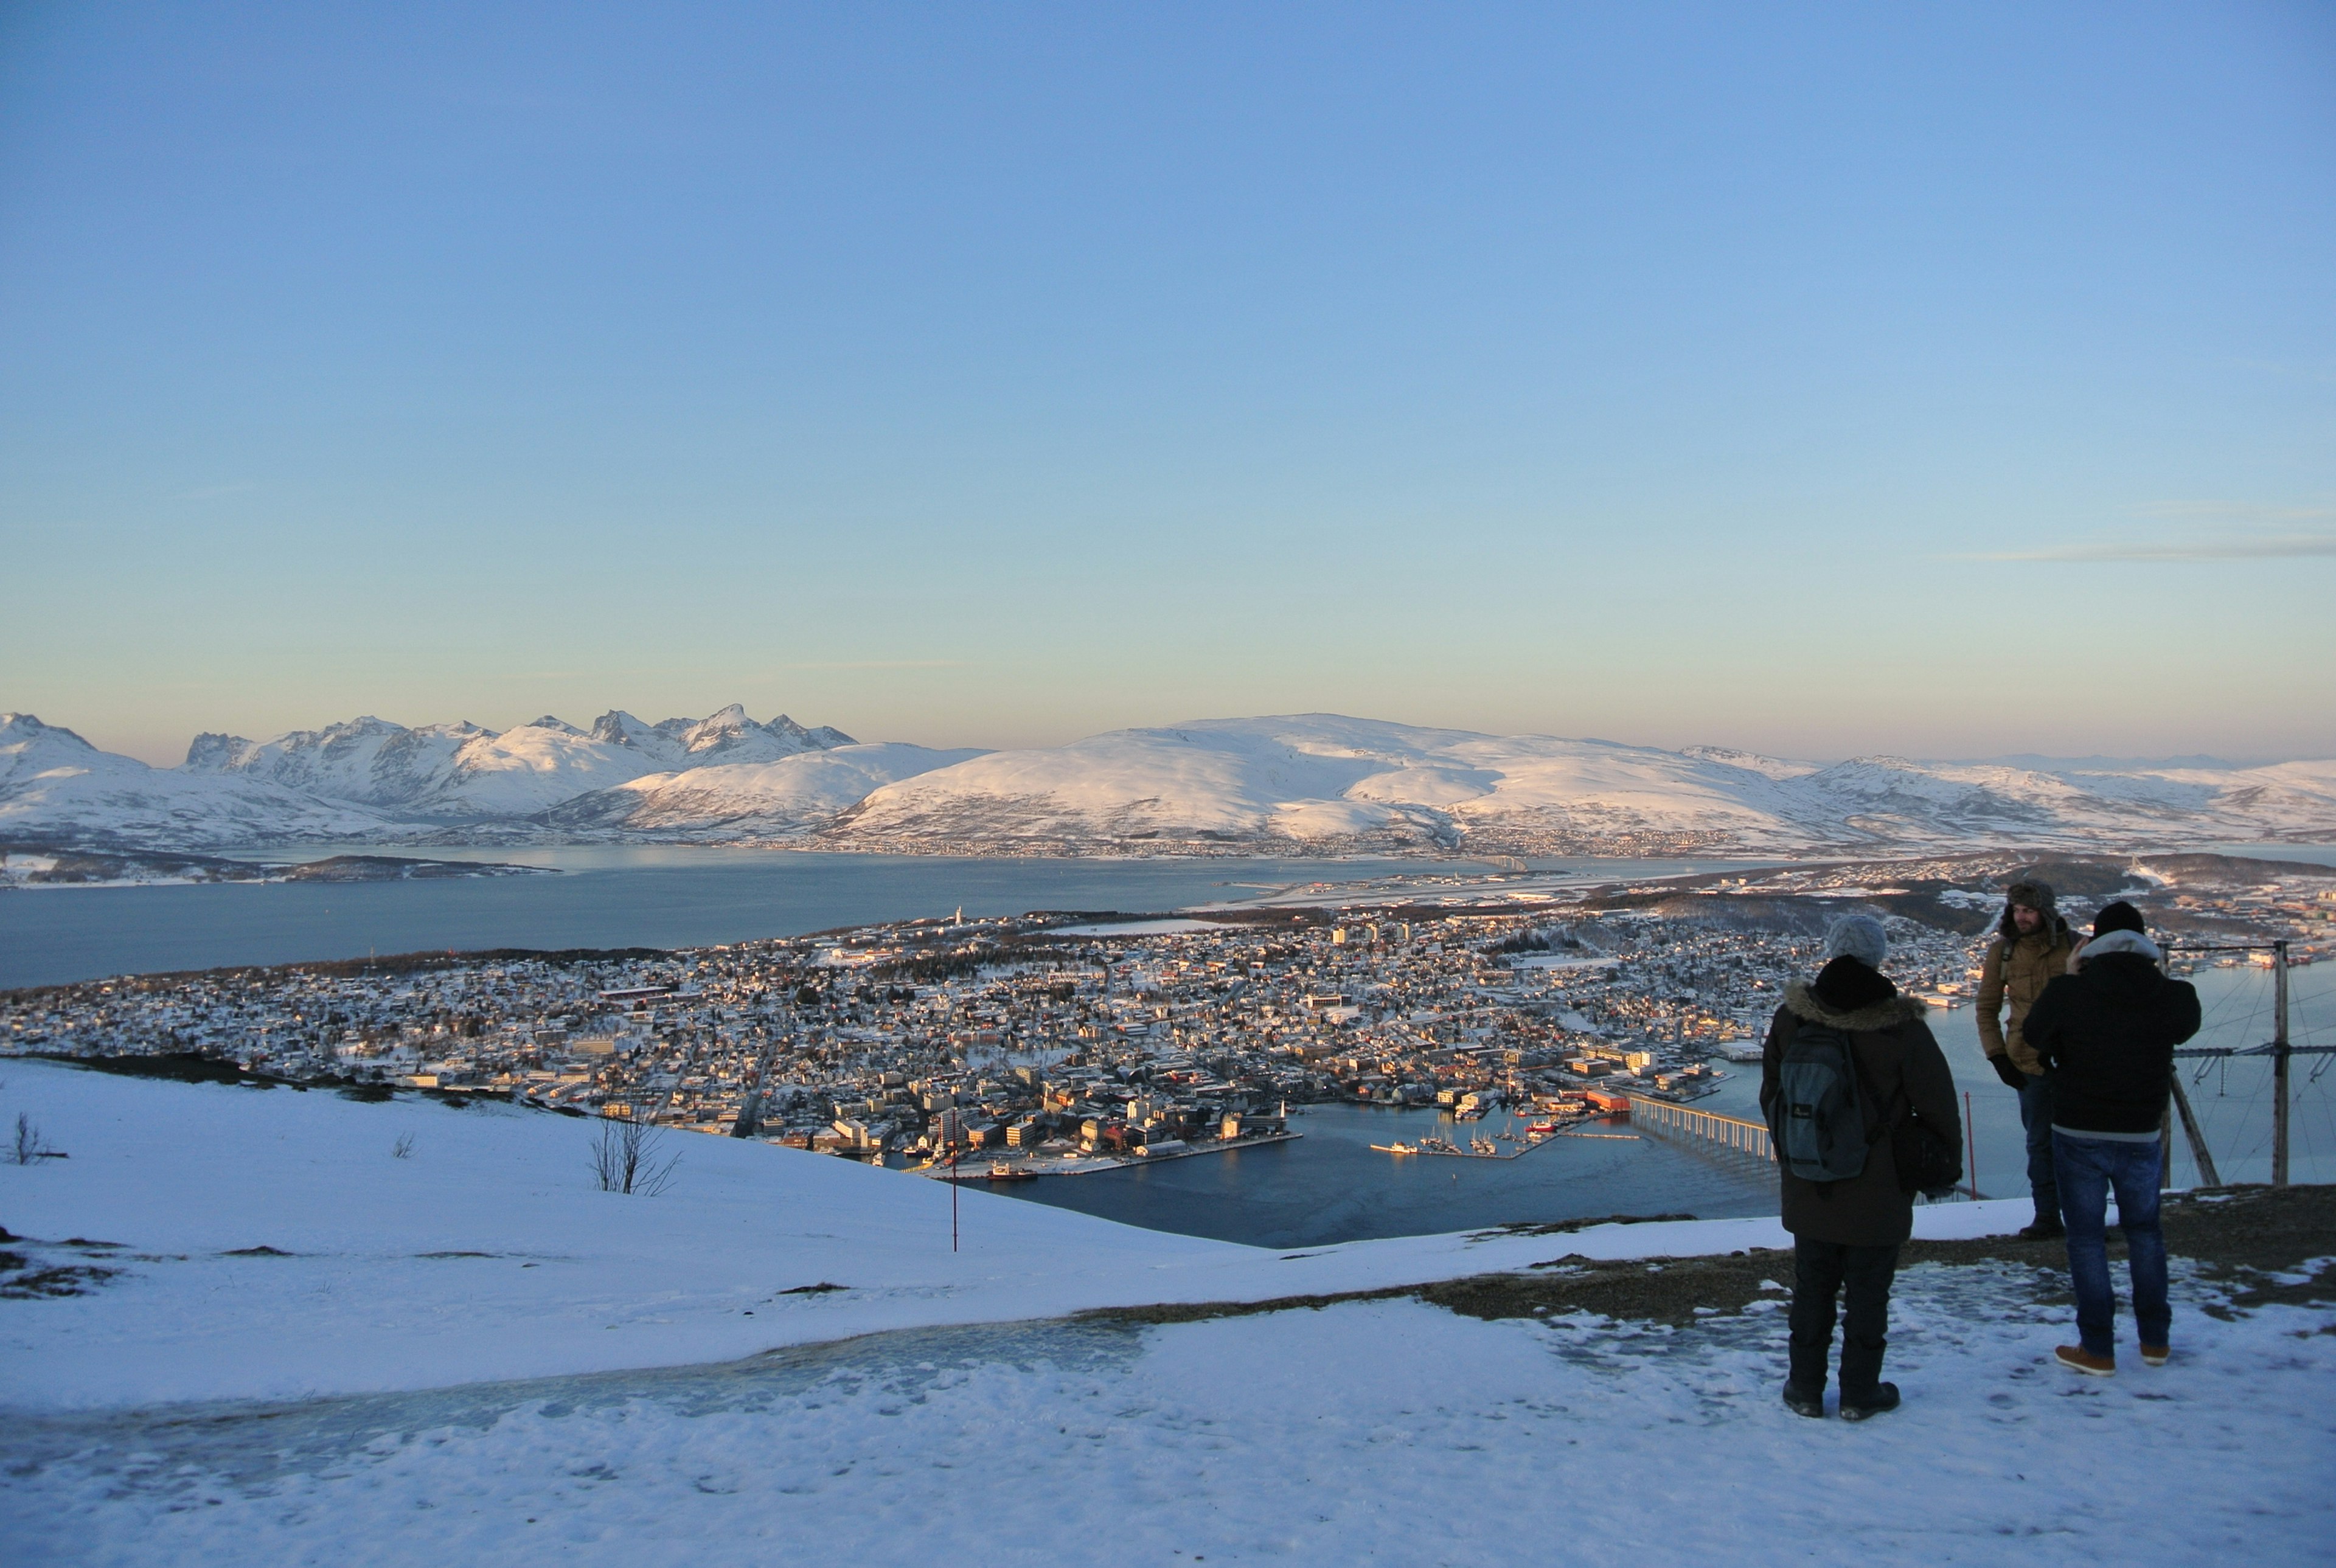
2106 1034
1847 1233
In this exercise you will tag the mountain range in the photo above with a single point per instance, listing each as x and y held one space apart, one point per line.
1304 784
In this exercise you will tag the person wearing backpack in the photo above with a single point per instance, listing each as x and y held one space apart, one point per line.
2106 1033
1854 1087
2031 949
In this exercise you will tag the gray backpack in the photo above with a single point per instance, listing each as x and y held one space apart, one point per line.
1818 1121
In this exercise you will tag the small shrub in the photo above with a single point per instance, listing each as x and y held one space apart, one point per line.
402 1148
625 1158
29 1145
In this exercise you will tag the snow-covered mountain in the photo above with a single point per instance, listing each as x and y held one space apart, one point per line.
1326 781
56 787
771 799
460 771
1312 782
727 736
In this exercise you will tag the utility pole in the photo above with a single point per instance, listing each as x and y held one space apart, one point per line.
2279 1053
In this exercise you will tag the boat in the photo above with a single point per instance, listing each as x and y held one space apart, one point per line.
999 1171
1394 1148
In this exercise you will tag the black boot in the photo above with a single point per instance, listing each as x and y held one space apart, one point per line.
1883 1396
1804 1400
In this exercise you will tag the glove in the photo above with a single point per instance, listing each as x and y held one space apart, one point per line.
2013 1078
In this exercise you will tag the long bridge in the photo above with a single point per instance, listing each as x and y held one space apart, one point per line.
1737 1133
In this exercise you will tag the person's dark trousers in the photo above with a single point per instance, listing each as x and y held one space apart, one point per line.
1821 1271
2035 1120
2089 1169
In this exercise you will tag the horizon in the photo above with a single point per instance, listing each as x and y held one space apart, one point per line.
1943 383
2036 761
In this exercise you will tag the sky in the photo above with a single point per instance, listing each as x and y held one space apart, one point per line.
1947 380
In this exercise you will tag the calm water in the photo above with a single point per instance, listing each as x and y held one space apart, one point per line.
1329 1186
616 897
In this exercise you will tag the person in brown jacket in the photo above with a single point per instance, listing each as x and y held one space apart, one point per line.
1847 1233
2031 947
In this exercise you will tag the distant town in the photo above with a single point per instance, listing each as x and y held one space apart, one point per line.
1059 1044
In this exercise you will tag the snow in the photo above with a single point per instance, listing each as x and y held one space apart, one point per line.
54 786
1366 1431
795 794
1319 779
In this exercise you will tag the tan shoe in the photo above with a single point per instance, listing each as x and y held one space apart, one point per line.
2076 1358
2156 1354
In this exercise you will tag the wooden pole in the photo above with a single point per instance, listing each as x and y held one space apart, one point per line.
2279 1058
2207 1175
1970 1145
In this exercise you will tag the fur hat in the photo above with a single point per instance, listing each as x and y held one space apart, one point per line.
2030 894
1859 937
2119 916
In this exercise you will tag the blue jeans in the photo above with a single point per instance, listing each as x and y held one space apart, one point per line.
2036 1121
2087 1169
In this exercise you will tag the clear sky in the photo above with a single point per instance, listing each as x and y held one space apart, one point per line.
1947 380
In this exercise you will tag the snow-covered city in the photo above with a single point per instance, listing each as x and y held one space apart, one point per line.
1167 786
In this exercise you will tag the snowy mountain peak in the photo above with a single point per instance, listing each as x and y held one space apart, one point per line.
552 722
22 729
29 748
617 727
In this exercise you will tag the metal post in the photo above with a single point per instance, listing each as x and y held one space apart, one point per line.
2279 1055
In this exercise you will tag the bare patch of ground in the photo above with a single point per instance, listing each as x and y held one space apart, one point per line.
2260 1246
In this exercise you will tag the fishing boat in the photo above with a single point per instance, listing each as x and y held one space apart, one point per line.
1394 1148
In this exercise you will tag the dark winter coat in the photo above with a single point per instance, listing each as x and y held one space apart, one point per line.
2106 1035
1894 1050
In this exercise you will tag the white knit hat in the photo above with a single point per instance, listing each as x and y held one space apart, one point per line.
1859 937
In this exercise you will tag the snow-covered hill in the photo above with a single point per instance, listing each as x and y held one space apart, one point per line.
295 1346
788 798
1324 780
1311 783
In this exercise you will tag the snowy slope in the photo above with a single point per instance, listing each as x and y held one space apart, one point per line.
188 1174
1314 776
1328 779
56 787
1317 781
1384 1430
784 799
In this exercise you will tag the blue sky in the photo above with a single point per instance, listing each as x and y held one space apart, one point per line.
1945 380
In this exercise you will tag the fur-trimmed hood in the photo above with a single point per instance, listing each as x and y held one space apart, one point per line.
1886 1014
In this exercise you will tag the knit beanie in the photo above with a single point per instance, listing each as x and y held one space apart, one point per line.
2119 916
1859 937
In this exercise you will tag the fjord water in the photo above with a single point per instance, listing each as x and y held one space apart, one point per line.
1330 1185
616 897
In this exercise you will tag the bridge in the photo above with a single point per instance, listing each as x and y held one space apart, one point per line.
1745 1136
